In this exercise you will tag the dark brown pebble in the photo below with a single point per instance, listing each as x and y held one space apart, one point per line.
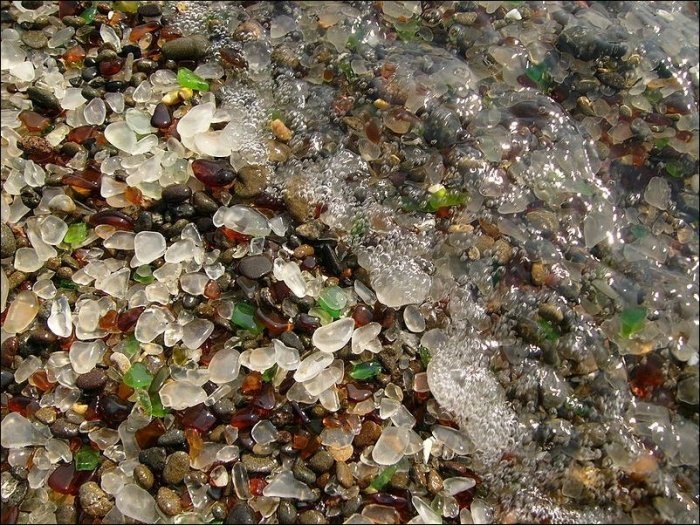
255 266
369 433
204 204
161 116
63 428
176 193
92 380
149 10
74 21
212 173
31 4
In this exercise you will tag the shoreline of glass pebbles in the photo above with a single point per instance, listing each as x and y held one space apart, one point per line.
323 262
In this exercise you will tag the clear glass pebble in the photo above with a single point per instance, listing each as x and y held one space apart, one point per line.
84 355
121 136
264 432
312 365
180 395
197 120
391 445
152 322
134 502
259 359
196 332
27 260
224 366
95 111
365 338
60 321
16 431
334 336
286 357
290 274
21 312
53 229
148 246
413 318
285 485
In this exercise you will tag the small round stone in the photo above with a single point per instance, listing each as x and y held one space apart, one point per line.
369 433
176 193
46 415
144 476
154 458
286 512
176 467
94 501
312 517
168 501
63 428
204 204
321 462
92 380
241 513
35 39
255 266
8 244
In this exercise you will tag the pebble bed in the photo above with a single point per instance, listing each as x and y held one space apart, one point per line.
349 262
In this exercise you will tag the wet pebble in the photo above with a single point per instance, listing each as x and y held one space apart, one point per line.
176 193
144 476
168 501
255 266
185 48
8 244
35 39
369 433
259 464
92 380
43 98
161 116
172 438
93 500
153 457
312 517
149 10
241 513
286 512
63 428
46 415
321 462
176 467
344 474
303 473
204 204
251 181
